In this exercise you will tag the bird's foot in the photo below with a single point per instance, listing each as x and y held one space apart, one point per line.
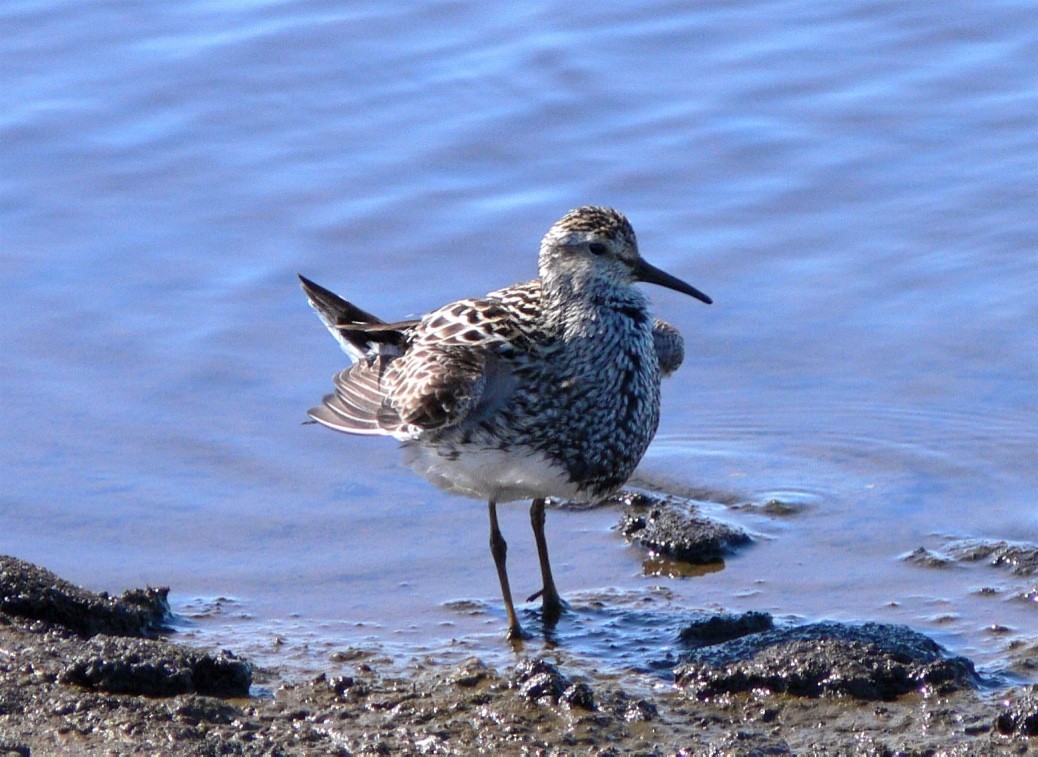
552 606
517 635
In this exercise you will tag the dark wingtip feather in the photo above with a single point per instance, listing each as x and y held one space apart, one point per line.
333 309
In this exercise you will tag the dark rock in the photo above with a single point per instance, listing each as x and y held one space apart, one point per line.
340 684
641 711
578 696
871 662
716 629
542 686
540 681
1021 716
156 668
31 592
221 675
679 532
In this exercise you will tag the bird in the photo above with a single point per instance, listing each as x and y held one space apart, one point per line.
545 388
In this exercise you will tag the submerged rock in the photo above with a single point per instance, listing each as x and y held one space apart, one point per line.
1019 559
928 558
156 669
29 591
677 531
873 661
780 508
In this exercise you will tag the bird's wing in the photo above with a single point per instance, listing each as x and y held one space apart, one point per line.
670 346
456 364
359 400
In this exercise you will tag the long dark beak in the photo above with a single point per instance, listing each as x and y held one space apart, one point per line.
650 274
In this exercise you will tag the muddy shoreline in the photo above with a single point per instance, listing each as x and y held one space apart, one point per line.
86 673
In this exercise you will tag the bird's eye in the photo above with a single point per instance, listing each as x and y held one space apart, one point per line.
597 248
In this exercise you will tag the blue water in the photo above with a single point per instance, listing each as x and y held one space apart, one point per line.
855 183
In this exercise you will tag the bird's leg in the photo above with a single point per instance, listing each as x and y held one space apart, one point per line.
499 549
551 604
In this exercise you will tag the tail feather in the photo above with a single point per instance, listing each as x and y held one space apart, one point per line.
332 308
360 333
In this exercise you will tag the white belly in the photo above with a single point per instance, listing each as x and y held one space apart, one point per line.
491 474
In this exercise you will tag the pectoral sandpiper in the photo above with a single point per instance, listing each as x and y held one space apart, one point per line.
545 388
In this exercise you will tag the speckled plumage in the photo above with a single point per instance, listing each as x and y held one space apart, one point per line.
545 388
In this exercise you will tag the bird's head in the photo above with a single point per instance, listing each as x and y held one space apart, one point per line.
593 245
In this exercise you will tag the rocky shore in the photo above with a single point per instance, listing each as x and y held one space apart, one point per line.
85 673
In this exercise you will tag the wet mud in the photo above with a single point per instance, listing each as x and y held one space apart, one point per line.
83 673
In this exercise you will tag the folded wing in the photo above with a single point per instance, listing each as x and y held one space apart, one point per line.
415 376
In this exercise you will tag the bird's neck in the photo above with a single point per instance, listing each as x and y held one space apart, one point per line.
573 299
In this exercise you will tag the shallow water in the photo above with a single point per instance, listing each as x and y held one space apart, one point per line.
854 184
